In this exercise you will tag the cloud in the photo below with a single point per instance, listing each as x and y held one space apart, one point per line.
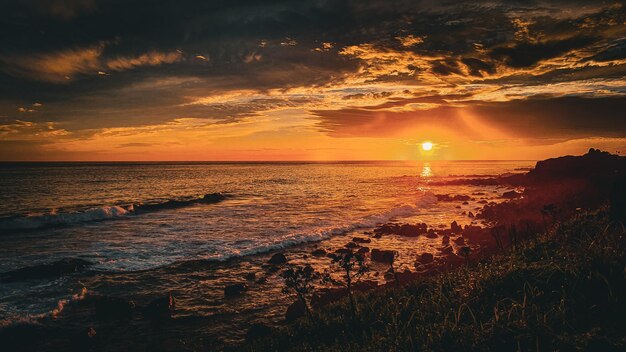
62 66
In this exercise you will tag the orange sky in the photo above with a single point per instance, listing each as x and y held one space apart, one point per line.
360 82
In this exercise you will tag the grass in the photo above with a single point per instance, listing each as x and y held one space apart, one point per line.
562 291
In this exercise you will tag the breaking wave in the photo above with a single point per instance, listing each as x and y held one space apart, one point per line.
293 239
54 219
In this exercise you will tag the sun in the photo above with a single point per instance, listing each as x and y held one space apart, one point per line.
427 146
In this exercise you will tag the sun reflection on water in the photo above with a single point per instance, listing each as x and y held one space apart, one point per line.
426 170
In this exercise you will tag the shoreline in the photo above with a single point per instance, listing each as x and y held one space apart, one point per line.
247 292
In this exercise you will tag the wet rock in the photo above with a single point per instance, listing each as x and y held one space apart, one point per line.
363 250
343 251
482 202
465 203
278 259
161 307
235 289
425 258
470 214
361 240
455 228
318 253
258 331
351 245
56 269
408 230
113 308
382 256
446 249
295 311
445 239
511 195
455 198
431 234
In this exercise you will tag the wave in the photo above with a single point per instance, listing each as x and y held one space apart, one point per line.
54 219
33 319
293 239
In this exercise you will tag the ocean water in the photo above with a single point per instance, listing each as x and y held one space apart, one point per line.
130 218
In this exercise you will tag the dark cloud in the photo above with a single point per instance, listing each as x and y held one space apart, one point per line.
139 62
536 118
527 54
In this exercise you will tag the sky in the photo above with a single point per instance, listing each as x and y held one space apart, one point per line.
121 80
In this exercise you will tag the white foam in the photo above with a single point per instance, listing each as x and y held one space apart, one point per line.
286 241
54 218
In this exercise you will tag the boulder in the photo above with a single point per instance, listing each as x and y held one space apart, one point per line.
363 250
318 253
235 289
425 258
295 311
511 195
455 228
408 230
382 256
351 245
278 259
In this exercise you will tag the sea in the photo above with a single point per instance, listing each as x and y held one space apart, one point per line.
140 225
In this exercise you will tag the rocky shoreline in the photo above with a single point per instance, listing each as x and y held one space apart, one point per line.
526 204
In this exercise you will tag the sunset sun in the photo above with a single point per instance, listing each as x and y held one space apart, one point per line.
427 146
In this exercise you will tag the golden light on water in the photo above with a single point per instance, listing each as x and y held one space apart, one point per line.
427 146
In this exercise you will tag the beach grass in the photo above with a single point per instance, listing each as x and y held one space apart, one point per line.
563 290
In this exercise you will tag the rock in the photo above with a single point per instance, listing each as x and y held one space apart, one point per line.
470 214
511 195
456 198
91 332
250 276
261 280
258 331
459 241
363 250
295 311
343 251
445 239
278 259
235 289
455 228
431 234
465 203
113 308
361 240
383 256
318 253
161 307
408 230
55 269
446 249
425 258
351 245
